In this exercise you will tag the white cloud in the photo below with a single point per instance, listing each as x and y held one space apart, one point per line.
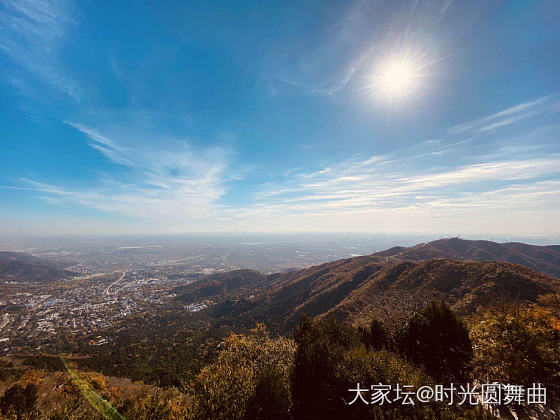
471 185
546 104
167 182
33 33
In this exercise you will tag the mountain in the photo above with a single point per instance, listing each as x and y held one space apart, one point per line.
19 267
362 288
544 259
469 275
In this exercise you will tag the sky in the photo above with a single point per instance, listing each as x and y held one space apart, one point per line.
280 116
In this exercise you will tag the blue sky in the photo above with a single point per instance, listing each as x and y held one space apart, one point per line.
164 117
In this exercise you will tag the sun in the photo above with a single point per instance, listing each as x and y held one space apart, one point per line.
397 77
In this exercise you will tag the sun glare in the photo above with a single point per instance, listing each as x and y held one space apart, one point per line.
397 77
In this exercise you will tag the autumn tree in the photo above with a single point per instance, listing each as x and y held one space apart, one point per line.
518 345
226 387
167 404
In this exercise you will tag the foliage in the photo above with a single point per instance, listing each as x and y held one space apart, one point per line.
316 385
100 404
258 377
437 339
168 404
226 387
373 367
332 357
376 337
518 344
271 400
19 400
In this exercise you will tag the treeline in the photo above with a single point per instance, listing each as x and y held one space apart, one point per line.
310 375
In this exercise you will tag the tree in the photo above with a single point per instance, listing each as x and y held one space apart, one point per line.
271 400
332 358
437 339
376 337
169 404
518 344
226 387
19 400
317 389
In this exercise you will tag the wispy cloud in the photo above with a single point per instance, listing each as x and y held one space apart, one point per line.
33 32
546 104
374 183
521 197
480 181
446 5
167 181
475 183
326 88
112 151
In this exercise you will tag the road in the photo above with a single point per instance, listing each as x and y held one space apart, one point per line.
106 291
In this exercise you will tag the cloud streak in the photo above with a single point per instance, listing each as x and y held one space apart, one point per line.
166 182
474 184
546 104
369 184
461 180
33 32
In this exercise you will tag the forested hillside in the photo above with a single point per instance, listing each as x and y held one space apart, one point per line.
312 373
362 288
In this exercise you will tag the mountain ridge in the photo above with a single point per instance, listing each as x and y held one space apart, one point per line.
392 283
361 290
544 259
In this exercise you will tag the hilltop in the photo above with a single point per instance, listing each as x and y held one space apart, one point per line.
544 259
